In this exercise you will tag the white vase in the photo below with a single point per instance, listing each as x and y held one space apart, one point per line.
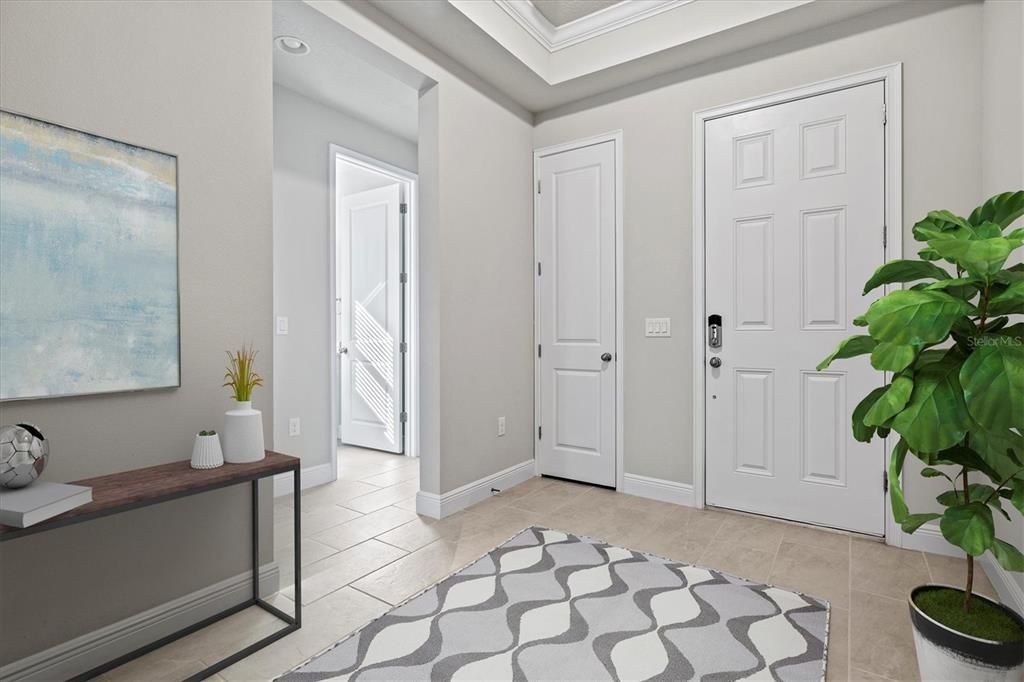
206 453
243 434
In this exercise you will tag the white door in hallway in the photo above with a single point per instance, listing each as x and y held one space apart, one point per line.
576 305
794 201
370 318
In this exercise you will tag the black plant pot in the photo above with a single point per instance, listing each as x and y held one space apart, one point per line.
945 654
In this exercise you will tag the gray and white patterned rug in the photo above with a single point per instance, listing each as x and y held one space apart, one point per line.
548 605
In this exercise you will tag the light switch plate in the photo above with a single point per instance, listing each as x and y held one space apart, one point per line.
501 426
294 426
658 326
282 325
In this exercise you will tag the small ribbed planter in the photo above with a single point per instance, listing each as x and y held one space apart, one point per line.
945 654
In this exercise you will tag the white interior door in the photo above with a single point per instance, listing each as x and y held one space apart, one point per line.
794 201
576 292
370 318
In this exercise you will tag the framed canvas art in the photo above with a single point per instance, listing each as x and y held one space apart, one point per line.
88 263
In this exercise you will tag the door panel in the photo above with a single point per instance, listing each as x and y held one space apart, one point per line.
576 249
370 319
794 200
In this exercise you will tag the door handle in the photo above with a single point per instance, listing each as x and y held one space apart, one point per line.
342 350
715 362
606 357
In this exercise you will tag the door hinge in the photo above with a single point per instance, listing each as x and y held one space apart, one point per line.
538 350
885 117
403 208
885 481
885 235
403 417
538 187
540 432
403 277
403 347
538 268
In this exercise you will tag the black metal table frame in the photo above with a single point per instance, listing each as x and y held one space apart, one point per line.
292 623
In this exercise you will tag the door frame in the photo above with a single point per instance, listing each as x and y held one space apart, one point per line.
891 76
411 445
614 136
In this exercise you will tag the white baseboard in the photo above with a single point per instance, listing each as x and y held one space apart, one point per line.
446 504
310 478
87 651
928 538
658 489
1008 589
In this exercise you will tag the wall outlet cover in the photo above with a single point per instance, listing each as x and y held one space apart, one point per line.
294 426
282 325
501 426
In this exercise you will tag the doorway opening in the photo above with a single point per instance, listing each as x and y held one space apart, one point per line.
373 312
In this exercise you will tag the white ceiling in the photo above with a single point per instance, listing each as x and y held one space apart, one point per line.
622 60
345 72
560 12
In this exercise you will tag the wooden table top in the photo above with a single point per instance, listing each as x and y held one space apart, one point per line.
151 485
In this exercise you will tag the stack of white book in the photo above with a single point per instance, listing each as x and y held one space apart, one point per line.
23 507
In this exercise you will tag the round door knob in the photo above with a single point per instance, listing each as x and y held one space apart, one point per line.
606 357
342 349
715 362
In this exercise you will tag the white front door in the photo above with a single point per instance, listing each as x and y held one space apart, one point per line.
794 200
370 318
576 305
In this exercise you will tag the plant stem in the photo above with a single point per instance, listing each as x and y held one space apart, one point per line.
970 559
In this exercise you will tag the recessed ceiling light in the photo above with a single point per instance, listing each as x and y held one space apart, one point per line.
291 45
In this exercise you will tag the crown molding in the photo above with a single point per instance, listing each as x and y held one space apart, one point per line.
554 38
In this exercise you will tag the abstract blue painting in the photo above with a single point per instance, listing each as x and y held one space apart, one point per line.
88 263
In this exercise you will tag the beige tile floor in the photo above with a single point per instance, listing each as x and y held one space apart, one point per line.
364 549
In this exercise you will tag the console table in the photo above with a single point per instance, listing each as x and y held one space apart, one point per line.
129 490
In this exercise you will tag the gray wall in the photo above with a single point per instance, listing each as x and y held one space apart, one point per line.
303 131
192 78
941 55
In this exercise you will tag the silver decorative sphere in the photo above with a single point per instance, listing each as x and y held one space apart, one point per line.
23 455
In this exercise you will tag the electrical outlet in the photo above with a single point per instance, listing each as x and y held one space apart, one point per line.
282 325
501 426
658 326
294 426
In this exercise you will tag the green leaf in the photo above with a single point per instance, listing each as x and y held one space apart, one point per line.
896 499
979 492
1017 497
861 431
969 527
966 457
980 257
848 348
915 521
936 417
891 402
1009 302
1001 209
904 271
928 253
860 321
914 317
993 383
929 472
993 447
1008 556
936 223
892 357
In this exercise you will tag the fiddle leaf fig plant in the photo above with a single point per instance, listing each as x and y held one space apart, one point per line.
952 343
